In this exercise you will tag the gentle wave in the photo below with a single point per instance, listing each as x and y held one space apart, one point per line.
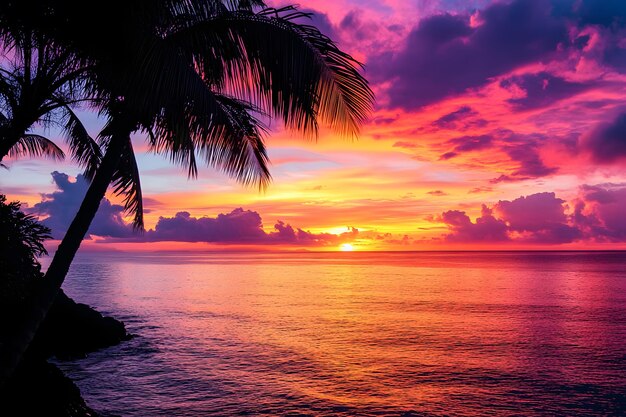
368 334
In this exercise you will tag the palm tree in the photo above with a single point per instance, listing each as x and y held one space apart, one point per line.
197 77
39 83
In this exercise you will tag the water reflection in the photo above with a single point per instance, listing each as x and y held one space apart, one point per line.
357 333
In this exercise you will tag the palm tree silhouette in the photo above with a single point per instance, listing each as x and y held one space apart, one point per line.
39 83
197 77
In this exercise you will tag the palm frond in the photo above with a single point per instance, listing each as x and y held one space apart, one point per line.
290 70
8 90
237 146
190 117
39 82
222 130
36 146
85 151
126 181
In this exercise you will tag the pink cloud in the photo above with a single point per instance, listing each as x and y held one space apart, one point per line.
486 228
599 212
542 218
538 218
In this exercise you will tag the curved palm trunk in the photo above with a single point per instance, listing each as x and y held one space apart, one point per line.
11 353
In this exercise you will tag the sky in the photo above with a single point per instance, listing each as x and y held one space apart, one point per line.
497 125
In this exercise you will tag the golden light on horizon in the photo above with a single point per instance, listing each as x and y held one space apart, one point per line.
346 247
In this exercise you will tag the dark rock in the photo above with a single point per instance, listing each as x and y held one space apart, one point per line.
39 388
71 330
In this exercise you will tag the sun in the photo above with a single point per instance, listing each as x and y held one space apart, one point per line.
346 247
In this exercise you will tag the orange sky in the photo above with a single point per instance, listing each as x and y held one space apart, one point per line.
497 139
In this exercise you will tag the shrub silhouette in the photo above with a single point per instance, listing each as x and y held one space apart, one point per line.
21 242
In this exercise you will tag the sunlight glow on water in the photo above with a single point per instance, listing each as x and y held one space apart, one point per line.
310 334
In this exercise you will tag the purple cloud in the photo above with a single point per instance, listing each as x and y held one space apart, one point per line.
543 218
237 227
449 120
530 163
522 149
486 228
445 54
607 143
600 212
437 193
610 15
240 225
448 155
471 143
521 213
359 28
320 20
465 144
461 119
60 207
538 218
542 89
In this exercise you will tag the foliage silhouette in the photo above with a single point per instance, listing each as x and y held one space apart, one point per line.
197 77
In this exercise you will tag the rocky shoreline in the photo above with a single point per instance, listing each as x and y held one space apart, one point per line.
71 330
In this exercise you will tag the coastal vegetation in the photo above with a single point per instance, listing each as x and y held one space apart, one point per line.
70 330
198 79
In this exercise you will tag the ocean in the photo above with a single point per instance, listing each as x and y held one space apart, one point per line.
357 334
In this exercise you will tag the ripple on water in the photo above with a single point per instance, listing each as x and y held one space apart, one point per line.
358 334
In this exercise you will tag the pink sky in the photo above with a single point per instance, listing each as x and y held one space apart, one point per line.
498 125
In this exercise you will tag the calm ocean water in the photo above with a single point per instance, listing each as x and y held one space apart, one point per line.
364 334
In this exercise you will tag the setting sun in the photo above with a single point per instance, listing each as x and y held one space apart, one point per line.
346 247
